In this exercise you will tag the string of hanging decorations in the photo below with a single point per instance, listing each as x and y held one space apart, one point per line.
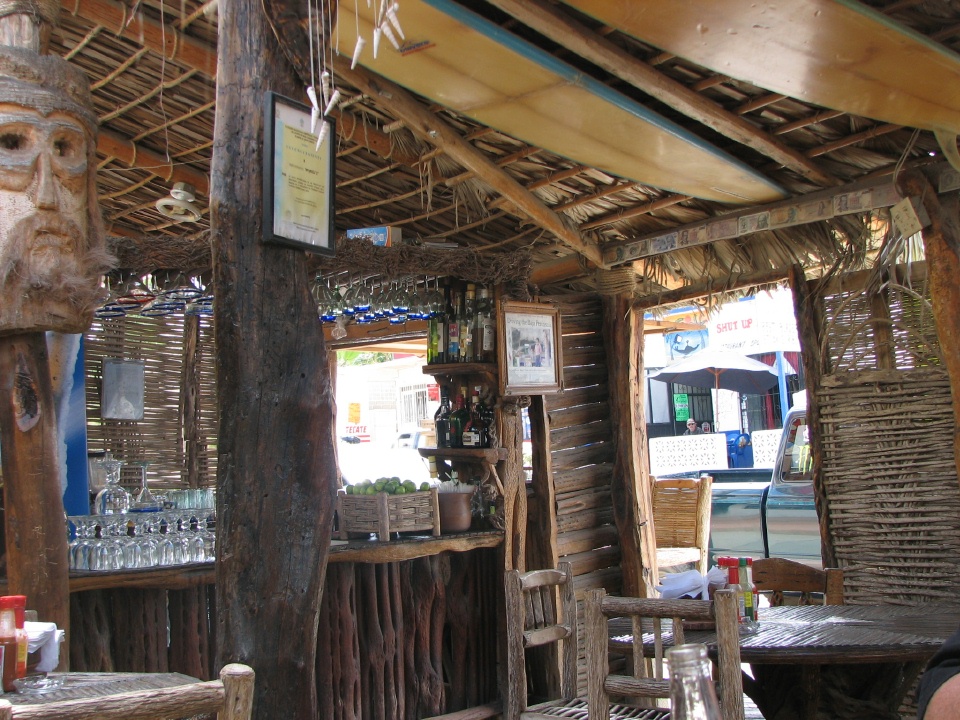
325 99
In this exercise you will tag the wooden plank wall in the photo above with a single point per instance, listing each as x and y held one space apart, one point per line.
581 455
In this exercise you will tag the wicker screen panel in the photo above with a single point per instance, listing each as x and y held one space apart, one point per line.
158 437
849 334
891 484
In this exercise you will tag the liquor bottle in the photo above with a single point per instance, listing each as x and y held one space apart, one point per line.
475 431
443 318
747 572
432 340
692 693
453 330
488 416
466 324
484 332
458 420
441 420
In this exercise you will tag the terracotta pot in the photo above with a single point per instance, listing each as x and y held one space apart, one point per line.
455 511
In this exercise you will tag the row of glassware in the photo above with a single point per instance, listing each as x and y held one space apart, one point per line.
367 300
129 541
154 295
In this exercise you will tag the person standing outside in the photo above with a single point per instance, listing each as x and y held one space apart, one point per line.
692 428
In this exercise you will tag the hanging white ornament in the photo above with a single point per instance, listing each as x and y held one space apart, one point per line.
356 51
315 108
334 99
326 86
377 32
392 16
390 36
324 130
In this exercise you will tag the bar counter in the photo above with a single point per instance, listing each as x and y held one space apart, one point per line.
179 577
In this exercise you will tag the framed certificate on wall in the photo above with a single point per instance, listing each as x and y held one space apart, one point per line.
298 177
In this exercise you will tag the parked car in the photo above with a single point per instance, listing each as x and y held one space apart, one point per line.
762 513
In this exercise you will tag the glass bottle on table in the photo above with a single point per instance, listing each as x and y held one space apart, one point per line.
692 693
113 499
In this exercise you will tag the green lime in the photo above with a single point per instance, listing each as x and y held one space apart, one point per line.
349 489
410 485
370 490
424 485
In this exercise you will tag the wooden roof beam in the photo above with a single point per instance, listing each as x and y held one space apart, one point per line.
428 126
562 29
126 151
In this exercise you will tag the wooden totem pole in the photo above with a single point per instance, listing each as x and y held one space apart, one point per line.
51 256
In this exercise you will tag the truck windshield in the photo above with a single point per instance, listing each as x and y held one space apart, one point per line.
797 464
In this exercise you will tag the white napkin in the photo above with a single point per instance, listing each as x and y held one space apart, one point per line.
45 637
690 583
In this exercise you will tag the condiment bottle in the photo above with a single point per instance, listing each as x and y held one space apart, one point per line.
20 602
749 592
8 641
733 582
692 693
753 586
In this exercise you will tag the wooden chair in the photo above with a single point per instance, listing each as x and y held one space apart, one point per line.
230 697
681 521
532 621
778 575
647 615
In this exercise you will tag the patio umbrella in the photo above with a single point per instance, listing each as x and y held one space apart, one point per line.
721 370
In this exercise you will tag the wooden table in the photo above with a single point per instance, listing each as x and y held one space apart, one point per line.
78 685
833 660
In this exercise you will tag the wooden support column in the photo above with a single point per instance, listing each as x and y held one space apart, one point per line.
35 530
809 323
630 484
276 469
941 244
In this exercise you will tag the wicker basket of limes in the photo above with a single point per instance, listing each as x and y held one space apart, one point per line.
386 506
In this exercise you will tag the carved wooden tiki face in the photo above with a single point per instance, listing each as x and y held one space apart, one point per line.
51 236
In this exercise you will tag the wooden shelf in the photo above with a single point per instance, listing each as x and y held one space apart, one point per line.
412 547
457 369
487 455
177 577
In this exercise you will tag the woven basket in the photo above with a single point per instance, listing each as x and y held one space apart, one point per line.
385 514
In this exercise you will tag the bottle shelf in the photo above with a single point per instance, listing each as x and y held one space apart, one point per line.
487 455
457 369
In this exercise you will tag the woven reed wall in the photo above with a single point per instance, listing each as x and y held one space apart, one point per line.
582 458
888 470
158 438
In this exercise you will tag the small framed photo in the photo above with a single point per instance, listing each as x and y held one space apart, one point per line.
531 361
298 177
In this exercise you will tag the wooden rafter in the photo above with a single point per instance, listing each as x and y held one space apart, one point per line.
432 129
576 37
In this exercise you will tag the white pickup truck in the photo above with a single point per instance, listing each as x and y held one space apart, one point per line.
762 513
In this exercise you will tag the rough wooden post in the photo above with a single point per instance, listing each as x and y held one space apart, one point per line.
809 324
941 245
35 528
276 468
630 484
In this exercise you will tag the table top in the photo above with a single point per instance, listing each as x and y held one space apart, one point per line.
79 685
830 634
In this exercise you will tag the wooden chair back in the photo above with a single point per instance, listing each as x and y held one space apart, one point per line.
230 697
778 575
532 601
681 520
649 615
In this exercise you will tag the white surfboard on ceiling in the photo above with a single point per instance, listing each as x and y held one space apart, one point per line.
462 61
840 54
